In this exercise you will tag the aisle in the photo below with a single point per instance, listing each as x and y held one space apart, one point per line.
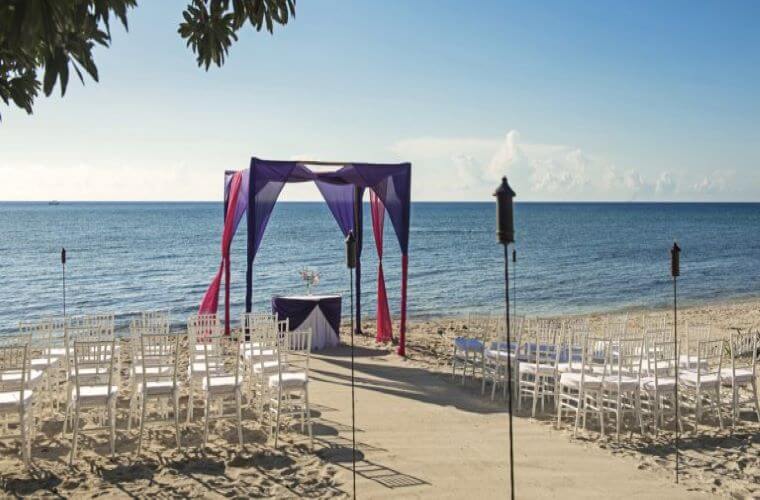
422 437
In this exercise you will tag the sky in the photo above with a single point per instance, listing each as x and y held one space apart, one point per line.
572 100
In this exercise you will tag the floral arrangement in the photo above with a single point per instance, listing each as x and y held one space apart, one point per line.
310 277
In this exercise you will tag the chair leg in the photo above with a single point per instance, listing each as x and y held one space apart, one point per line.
757 401
176 419
75 435
308 416
600 405
466 362
23 423
535 396
454 363
277 419
132 403
716 404
580 407
190 401
239 418
142 423
618 416
206 418
112 423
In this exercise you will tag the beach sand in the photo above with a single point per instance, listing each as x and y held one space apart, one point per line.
419 434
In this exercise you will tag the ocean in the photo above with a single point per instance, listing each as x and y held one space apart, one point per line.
571 257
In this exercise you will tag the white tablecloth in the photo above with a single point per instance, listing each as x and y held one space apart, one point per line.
323 335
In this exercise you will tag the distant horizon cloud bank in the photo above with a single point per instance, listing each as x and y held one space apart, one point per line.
443 169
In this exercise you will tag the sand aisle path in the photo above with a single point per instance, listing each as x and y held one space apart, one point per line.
423 437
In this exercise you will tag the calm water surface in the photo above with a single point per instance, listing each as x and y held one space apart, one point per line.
572 258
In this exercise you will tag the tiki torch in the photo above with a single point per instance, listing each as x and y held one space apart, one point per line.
675 271
351 265
505 234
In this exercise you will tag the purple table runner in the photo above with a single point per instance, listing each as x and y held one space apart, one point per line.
297 309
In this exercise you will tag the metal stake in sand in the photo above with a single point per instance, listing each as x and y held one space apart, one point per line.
351 265
675 271
505 234
63 276
514 282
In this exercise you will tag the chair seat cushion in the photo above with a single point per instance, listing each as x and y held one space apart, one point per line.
498 354
159 387
221 384
532 368
742 376
33 376
573 380
469 344
11 400
662 384
620 384
152 370
266 367
690 377
259 353
290 380
575 367
44 363
91 393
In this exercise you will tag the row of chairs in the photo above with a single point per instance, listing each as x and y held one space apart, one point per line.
613 372
261 363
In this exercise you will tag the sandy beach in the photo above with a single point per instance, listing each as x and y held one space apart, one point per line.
419 435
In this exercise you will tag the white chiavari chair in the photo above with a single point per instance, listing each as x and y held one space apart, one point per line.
159 380
689 343
658 387
158 320
469 348
95 386
538 371
701 385
495 356
577 386
621 381
16 398
742 374
223 380
289 387
199 328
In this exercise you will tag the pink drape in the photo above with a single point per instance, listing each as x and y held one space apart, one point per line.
210 302
384 325
404 278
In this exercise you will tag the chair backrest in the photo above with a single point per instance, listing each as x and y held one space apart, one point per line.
593 353
616 327
200 327
664 358
574 333
541 346
710 357
652 322
695 333
624 358
14 368
294 352
160 319
94 363
743 347
159 357
221 354
515 333
90 327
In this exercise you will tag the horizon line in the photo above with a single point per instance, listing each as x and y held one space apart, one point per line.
413 201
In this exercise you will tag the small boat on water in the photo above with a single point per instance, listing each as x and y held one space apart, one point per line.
54 202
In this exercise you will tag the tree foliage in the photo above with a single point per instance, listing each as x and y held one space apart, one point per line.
52 37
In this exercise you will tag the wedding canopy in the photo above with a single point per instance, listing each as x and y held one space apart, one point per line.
254 192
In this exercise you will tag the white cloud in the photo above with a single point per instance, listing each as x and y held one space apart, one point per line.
469 168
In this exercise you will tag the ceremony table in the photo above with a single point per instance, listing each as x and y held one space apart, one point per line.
320 312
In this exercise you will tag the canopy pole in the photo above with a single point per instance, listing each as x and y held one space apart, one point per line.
358 215
402 329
